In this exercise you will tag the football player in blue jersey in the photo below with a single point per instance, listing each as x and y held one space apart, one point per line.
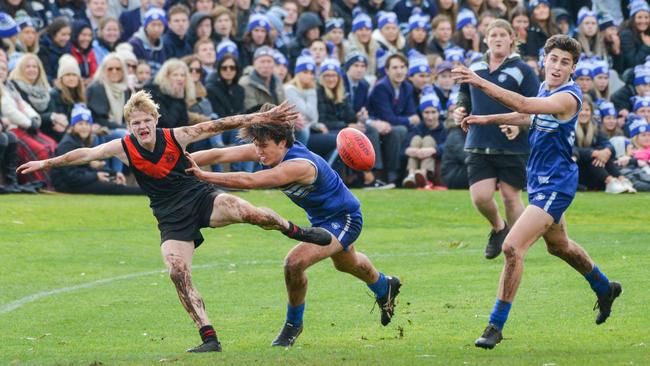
552 178
310 183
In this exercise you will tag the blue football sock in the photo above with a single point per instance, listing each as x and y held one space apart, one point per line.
294 314
499 314
380 287
598 281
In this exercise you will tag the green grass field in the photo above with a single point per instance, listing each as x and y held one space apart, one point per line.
82 283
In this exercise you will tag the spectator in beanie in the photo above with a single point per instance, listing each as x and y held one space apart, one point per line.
360 39
81 49
417 34
387 32
8 31
131 20
258 34
639 85
587 34
612 41
54 42
356 86
301 92
334 38
281 68
68 87
28 37
147 43
405 9
175 41
108 36
542 26
466 35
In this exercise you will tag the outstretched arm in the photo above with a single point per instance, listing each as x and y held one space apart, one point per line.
562 105
284 113
512 119
284 173
225 155
77 157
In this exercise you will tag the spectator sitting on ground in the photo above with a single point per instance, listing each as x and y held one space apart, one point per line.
93 177
392 112
147 43
424 144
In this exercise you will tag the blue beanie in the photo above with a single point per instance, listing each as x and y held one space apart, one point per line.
605 21
258 20
331 64
418 21
353 57
637 6
227 47
280 58
154 14
600 66
455 54
386 17
638 125
465 17
361 20
584 68
607 109
418 63
429 99
8 26
584 13
305 62
532 4
333 23
641 75
80 113
641 102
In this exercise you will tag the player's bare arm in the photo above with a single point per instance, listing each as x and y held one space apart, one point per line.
225 155
284 173
284 113
511 119
78 157
561 105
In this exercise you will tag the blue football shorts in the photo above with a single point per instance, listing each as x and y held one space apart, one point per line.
345 227
553 202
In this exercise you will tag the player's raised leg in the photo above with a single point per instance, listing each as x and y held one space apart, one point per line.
177 256
385 288
229 209
482 193
529 227
301 257
560 245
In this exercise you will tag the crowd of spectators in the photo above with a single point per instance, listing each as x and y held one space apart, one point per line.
67 68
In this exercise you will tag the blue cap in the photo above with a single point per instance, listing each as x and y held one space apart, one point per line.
637 6
227 47
465 17
455 54
641 75
280 59
154 14
641 102
331 64
353 57
361 20
305 62
8 26
607 109
80 113
584 13
429 99
418 21
386 17
258 20
638 125
418 63
333 23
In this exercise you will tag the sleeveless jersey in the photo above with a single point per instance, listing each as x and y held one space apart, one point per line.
161 175
327 196
550 167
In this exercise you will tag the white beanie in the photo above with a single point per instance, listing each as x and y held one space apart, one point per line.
68 65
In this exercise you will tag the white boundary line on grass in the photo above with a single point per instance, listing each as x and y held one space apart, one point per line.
11 306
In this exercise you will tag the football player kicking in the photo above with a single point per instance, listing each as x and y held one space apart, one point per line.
310 183
552 178
181 203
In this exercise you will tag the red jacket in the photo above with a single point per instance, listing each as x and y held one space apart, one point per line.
87 61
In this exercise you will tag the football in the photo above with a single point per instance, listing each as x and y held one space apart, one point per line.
355 149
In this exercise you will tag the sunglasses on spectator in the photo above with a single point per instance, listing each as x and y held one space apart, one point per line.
228 67
111 69
195 70
132 66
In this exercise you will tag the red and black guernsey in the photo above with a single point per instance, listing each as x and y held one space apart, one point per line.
173 193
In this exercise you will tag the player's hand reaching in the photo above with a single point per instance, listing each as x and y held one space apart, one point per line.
284 113
194 168
462 74
473 120
30 167
511 132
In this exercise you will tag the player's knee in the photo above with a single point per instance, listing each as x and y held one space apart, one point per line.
557 248
226 200
294 267
178 271
511 198
511 252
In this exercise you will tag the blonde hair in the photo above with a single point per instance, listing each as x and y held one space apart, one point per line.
338 94
162 79
586 138
18 74
503 24
100 75
140 102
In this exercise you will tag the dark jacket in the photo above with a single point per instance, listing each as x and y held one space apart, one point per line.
633 49
622 98
195 19
341 10
513 74
336 116
383 105
173 111
599 142
439 135
68 177
535 40
143 49
57 105
49 53
307 21
97 102
227 100
404 9
174 46
360 98
131 21
454 168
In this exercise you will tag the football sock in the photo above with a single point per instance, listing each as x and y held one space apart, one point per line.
294 314
207 333
380 287
598 281
499 314
292 230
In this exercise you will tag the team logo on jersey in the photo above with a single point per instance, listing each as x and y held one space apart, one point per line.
170 157
502 78
543 180
335 225
539 197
